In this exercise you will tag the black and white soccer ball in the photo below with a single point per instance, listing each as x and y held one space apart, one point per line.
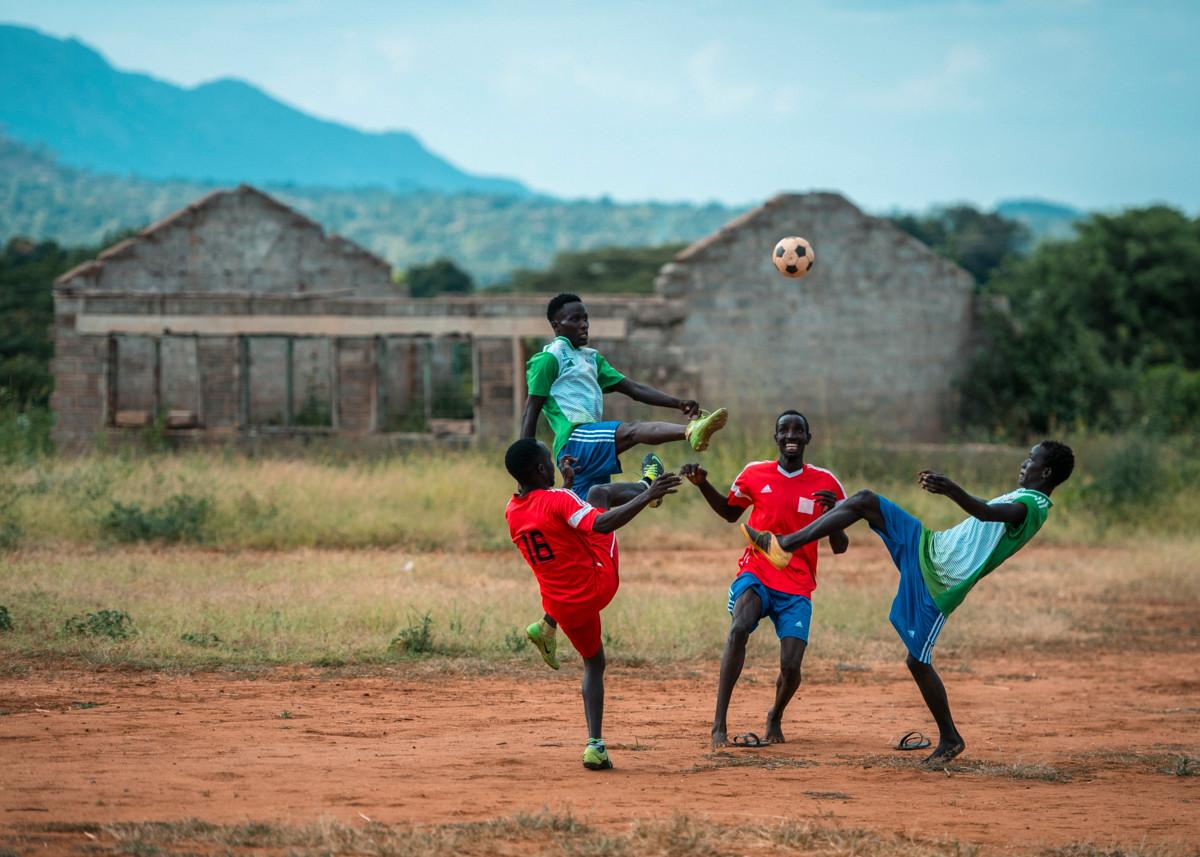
793 257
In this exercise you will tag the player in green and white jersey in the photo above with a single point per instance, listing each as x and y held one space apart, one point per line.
938 569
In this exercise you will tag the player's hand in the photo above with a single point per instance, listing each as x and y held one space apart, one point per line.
826 499
936 483
694 473
566 465
666 484
690 408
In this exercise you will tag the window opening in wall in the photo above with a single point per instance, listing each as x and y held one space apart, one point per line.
133 376
426 384
289 381
179 382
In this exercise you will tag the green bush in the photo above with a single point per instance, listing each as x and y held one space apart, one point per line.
114 624
416 639
5 619
182 518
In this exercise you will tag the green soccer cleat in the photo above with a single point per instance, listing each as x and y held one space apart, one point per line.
652 468
768 545
543 638
595 757
702 428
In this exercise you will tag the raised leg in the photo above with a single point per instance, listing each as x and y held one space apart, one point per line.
746 611
614 493
862 506
791 655
950 743
630 434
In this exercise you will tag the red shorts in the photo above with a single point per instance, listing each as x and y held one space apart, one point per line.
580 620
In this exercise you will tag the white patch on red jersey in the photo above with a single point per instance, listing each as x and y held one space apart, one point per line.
805 506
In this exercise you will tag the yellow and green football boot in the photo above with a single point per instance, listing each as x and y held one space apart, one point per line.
652 468
768 545
543 638
595 756
703 427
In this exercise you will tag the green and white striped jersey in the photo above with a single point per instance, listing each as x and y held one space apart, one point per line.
954 560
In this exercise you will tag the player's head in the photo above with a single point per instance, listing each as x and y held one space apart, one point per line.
528 461
569 317
1049 465
792 433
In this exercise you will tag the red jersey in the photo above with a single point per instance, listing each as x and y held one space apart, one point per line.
783 503
553 530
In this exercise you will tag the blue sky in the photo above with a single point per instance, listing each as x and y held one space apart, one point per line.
896 104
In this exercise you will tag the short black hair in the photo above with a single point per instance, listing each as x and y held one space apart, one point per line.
1060 459
794 413
521 459
558 302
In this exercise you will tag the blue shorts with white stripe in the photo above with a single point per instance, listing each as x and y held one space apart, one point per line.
914 615
594 448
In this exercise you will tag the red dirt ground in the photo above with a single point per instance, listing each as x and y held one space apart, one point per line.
429 748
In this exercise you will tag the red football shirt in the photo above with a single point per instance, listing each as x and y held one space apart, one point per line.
783 503
553 530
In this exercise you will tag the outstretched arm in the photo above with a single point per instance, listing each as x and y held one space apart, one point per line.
529 418
1012 514
648 395
698 476
619 516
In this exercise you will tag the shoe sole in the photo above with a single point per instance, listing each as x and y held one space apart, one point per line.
598 766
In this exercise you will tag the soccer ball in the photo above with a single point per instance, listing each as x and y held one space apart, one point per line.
793 257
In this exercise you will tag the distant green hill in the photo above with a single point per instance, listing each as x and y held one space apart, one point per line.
490 236
64 95
1042 219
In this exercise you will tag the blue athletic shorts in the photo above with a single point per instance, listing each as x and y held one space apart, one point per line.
594 447
792 614
914 615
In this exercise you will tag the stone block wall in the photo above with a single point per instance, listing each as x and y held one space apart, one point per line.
874 338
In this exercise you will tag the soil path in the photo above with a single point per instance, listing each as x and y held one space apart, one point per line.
1059 749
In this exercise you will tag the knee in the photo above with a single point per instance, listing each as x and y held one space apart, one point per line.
864 499
916 667
597 496
596 663
790 671
739 632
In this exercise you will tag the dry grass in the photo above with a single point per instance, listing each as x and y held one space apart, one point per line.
523 835
192 607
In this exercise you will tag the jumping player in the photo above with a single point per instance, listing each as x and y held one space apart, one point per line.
567 382
938 569
571 546
786 494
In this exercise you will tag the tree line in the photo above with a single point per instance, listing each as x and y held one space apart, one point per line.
1095 331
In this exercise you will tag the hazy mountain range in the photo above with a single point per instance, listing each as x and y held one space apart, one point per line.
65 95
87 150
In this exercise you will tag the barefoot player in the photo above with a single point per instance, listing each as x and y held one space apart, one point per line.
785 494
938 569
572 548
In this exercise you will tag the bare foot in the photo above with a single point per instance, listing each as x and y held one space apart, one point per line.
774 730
945 751
719 739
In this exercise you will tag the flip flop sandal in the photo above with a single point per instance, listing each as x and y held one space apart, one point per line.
749 739
913 741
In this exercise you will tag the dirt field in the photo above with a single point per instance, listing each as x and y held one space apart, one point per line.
1060 750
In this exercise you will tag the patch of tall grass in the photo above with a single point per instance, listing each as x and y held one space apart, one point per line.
423 500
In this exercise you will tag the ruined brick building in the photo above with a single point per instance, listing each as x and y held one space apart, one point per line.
238 317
